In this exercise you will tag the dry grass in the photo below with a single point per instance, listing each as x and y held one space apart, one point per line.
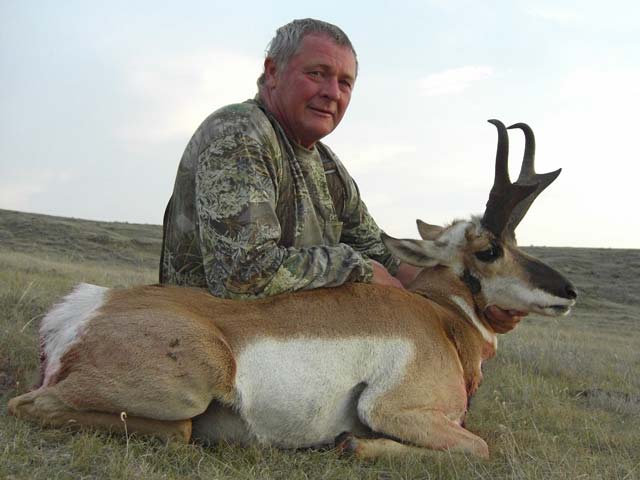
561 400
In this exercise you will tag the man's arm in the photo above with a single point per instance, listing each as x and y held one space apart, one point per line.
407 273
363 234
361 231
236 194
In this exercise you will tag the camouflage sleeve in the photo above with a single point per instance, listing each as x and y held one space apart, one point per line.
236 194
360 229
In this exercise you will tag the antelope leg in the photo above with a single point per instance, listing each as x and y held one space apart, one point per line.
372 448
428 428
45 407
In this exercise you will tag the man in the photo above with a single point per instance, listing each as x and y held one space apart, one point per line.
260 206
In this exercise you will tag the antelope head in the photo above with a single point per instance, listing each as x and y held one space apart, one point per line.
483 252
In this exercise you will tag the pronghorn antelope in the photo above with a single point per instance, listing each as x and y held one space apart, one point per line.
378 370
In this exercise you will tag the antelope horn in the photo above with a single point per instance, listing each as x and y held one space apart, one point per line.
504 195
528 176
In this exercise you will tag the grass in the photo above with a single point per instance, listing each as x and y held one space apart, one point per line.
560 401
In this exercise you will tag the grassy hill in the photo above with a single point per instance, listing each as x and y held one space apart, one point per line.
80 240
560 400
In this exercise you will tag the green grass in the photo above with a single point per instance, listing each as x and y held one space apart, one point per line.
560 400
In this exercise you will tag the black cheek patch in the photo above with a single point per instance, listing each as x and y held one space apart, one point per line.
472 282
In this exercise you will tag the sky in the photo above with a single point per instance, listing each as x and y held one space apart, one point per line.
99 99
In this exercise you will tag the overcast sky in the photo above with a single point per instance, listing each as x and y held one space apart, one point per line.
99 99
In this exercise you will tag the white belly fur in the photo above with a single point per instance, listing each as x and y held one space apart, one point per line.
304 392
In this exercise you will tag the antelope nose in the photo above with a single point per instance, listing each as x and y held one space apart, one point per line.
572 293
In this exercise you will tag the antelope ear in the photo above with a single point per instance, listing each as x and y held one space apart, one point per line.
428 231
420 253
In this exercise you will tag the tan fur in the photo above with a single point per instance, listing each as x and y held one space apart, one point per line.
439 284
162 354
46 407
453 438
156 345
372 448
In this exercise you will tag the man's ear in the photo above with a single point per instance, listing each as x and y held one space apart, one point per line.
420 253
428 231
270 73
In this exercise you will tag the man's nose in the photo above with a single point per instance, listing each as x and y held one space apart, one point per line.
331 88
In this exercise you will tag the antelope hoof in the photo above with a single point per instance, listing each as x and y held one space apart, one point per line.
21 406
346 444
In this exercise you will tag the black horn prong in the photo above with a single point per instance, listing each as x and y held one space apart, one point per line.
502 155
528 168
508 202
528 176
504 195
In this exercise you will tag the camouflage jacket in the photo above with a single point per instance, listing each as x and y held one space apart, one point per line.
253 214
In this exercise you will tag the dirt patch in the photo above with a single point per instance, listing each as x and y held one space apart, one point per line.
8 377
620 402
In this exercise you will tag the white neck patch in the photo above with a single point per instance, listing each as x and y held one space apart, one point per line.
488 336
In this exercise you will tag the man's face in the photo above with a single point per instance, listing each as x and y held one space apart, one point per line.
310 94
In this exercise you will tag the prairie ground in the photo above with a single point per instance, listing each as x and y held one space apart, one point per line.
560 400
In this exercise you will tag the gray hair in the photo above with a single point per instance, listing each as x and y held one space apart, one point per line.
288 38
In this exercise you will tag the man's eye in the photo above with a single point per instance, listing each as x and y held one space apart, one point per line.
346 84
490 254
315 73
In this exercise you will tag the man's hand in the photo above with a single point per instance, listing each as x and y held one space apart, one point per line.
407 273
381 276
503 321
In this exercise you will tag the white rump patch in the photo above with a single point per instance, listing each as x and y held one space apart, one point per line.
471 314
64 324
305 392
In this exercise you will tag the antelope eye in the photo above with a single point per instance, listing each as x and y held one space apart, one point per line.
490 254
